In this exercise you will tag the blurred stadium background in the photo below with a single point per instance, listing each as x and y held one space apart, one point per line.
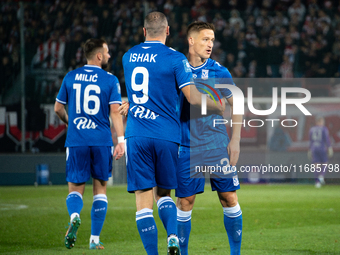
263 43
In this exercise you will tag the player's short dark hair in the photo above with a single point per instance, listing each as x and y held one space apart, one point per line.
92 45
197 26
155 24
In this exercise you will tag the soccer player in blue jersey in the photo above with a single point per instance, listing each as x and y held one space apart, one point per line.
92 95
154 76
215 149
319 150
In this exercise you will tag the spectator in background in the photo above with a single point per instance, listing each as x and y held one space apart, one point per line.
230 61
239 70
168 6
71 49
280 20
136 22
261 17
74 21
251 35
289 45
236 19
252 69
322 16
299 61
106 24
275 53
326 32
5 73
297 8
309 29
325 69
294 33
286 68
251 8
261 67
312 15
268 4
220 24
313 4
266 28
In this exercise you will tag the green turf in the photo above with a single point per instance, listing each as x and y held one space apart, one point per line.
277 219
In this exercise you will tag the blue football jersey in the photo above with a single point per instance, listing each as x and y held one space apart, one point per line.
88 91
154 75
198 132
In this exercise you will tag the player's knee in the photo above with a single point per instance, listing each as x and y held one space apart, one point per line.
186 203
228 199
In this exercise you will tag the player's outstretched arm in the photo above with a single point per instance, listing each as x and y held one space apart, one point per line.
59 109
124 108
194 97
118 125
234 145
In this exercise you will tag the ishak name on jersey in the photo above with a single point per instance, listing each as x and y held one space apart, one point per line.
138 57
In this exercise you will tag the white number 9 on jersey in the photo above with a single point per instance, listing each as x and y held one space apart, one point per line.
144 86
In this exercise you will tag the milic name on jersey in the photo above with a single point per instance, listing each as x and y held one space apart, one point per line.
138 57
83 77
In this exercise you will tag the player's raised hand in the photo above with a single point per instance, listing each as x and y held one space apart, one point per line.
124 108
119 150
233 151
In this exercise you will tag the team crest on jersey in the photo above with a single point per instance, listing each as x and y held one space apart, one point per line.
205 74
194 76
186 66
118 88
235 181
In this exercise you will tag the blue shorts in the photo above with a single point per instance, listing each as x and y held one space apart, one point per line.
151 162
319 156
192 168
85 161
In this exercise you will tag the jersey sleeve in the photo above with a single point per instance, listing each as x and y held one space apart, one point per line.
182 70
115 97
62 96
224 77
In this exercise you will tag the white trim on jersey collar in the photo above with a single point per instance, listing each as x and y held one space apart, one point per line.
153 42
198 67
91 66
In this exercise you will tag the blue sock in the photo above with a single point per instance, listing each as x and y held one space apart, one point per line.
233 226
74 203
167 212
184 228
147 229
98 214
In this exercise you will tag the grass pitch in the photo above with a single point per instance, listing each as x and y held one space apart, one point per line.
277 219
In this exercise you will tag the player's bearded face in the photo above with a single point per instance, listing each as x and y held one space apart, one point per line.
204 42
106 56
